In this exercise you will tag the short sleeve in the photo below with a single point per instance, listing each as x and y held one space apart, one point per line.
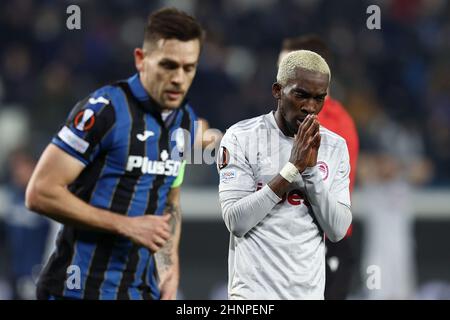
86 130
234 170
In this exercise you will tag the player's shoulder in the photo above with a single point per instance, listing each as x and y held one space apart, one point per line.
96 106
247 126
331 138
239 137
114 93
105 97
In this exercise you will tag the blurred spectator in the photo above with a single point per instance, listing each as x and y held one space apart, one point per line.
388 226
392 165
14 130
25 232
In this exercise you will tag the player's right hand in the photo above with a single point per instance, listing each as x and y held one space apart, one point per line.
306 140
149 231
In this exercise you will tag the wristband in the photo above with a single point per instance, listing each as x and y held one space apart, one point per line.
289 172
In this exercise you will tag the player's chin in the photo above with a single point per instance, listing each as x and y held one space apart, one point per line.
172 104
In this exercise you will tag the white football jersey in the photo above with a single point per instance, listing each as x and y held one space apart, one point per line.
282 257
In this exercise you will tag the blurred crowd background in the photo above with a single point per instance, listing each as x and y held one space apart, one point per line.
395 82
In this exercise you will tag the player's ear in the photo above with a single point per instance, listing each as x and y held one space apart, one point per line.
276 90
139 58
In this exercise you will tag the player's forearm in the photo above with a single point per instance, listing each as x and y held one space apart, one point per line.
279 185
242 213
167 262
60 204
167 258
333 217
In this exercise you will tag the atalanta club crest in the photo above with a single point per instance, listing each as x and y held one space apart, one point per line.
84 120
323 167
223 158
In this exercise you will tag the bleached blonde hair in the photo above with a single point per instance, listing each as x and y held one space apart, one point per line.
304 59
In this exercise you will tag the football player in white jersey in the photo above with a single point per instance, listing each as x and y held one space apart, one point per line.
284 182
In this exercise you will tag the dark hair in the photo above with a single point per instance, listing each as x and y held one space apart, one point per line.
309 42
171 23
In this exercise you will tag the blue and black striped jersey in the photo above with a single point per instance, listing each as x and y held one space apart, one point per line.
131 157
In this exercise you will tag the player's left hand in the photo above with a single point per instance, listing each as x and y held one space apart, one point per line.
169 284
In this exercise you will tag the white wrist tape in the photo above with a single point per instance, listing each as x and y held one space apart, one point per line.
289 172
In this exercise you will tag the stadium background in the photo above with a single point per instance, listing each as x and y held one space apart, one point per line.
395 82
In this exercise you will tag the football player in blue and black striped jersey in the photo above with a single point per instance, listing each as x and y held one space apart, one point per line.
112 174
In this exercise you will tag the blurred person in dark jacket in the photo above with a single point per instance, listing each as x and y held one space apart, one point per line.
26 233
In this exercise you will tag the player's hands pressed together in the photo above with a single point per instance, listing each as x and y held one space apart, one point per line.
150 231
315 143
303 154
306 144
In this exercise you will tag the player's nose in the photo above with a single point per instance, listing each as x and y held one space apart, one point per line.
178 77
309 107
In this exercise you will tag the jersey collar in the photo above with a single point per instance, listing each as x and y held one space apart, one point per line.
137 88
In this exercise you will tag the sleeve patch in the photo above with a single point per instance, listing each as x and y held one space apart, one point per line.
223 158
72 140
84 120
227 176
